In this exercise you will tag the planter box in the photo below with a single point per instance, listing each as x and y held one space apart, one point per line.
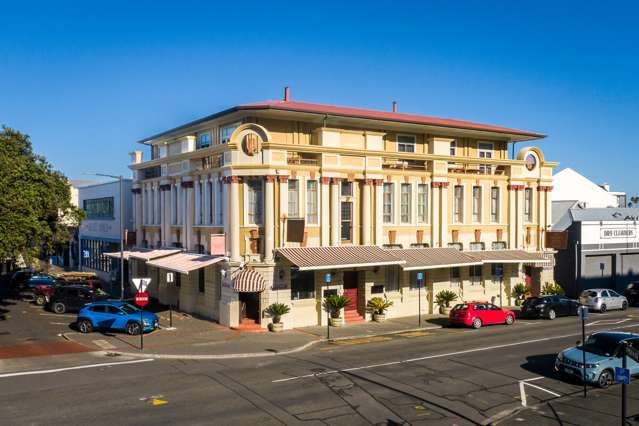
276 327
336 322
379 317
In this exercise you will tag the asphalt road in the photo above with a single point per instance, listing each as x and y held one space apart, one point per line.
448 376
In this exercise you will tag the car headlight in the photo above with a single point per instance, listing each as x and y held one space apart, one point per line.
560 356
592 365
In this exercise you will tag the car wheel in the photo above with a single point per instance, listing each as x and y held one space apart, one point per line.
552 314
605 379
603 308
85 326
133 328
509 319
624 306
40 300
59 308
476 323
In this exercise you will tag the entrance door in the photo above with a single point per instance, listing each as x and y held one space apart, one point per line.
250 306
350 289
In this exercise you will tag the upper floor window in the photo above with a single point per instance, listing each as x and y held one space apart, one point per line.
155 152
227 131
347 221
528 205
494 204
476 246
311 202
477 204
293 198
422 203
388 203
255 201
458 204
203 140
99 208
405 143
347 189
458 246
499 245
485 150
453 148
405 202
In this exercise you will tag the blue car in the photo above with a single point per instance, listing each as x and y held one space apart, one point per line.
604 352
115 315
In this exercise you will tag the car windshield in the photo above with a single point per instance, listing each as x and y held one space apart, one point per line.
129 309
601 344
532 300
99 292
588 293
460 307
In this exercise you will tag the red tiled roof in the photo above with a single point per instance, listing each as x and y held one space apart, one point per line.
386 116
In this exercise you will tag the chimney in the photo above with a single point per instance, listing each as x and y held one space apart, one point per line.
394 106
287 94
136 157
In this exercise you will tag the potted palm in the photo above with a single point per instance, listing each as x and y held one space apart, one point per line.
553 288
336 303
379 307
275 311
520 291
443 299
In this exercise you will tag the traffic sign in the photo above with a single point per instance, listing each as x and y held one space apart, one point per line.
141 284
583 313
622 375
328 277
141 299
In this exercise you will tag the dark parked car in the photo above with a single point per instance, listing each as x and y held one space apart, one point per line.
549 307
632 293
74 297
39 280
19 278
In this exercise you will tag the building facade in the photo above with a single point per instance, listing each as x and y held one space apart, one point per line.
570 185
286 201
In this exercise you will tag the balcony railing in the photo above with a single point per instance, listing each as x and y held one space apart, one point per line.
478 169
302 161
390 163
151 172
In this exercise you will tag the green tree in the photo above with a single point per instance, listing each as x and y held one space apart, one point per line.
36 212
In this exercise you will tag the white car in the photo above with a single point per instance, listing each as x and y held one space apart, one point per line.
602 299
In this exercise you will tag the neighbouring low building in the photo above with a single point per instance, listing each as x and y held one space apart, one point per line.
570 185
286 201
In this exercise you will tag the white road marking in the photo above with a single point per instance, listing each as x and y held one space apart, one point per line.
59 315
526 382
444 355
609 322
532 379
59 323
77 367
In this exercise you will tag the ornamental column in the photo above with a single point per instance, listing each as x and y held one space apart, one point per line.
435 212
190 215
325 203
234 217
512 217
173 204
269 218
198 201
137 200
207 200
335 220
443 201
379 211
156 203
283 208
366 211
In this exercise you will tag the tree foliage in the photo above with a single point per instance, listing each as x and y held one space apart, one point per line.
36 212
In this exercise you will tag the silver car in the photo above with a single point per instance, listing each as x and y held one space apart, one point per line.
602 299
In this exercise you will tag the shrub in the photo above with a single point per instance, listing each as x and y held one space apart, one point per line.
444 297
520 291
336 303
553 288
379 305
276 310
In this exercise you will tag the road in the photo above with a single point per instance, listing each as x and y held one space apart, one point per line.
448 376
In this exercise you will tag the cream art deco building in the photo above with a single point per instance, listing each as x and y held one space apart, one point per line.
265 202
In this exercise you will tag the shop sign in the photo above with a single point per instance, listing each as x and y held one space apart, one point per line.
606 233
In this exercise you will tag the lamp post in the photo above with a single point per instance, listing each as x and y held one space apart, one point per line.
119 178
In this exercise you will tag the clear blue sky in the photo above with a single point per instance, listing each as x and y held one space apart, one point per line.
88 79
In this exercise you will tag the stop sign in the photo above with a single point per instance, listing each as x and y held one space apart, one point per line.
141 299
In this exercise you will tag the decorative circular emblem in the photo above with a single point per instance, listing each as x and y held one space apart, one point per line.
531 161
251 144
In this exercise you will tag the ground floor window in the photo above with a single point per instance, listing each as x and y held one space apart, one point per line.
455 277
475 274
201 287
302 285
392 278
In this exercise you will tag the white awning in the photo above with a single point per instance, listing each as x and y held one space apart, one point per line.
143 253
185 262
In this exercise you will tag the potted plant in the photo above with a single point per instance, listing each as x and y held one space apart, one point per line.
379 307
275 311
552 288
520 291
443 299
336 303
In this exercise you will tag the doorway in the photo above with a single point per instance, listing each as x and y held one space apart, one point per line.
250 306
351 279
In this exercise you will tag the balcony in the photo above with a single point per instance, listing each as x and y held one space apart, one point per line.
391 163
476 169
151 172
299 159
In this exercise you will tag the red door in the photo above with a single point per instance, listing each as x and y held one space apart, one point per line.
350 289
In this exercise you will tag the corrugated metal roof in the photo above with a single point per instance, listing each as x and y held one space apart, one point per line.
433 258
143 253
604 214
318 258
507 256
185 262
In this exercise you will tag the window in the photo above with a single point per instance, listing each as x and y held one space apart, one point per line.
453 148
347 189
499 245
475 274
497 271
405 203
388 203
494 204
455 277
227 131
419 245
528 209
203 140
98 208
422 203
477 204
311 202
476 246
405 143
302 285
392 278
458 204
392 246
485 150
255 201
178 280
458 246
200 280
293 198
347 221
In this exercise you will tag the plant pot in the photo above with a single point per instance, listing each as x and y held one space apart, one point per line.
336 322
379 317
276 327
517 302
445 310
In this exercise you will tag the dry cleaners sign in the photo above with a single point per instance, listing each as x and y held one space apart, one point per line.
607 233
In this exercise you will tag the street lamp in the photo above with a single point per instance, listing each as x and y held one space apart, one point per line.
119 178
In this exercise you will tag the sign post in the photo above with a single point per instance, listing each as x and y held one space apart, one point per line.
420 280
583 315
622 375
141 299
328 309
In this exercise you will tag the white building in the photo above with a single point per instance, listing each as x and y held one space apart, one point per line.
572 186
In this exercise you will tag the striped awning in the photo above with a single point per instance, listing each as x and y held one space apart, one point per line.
318 258
433 258
185 262
508 256
144 253
249 281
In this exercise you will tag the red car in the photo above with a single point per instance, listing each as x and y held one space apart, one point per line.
476 314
